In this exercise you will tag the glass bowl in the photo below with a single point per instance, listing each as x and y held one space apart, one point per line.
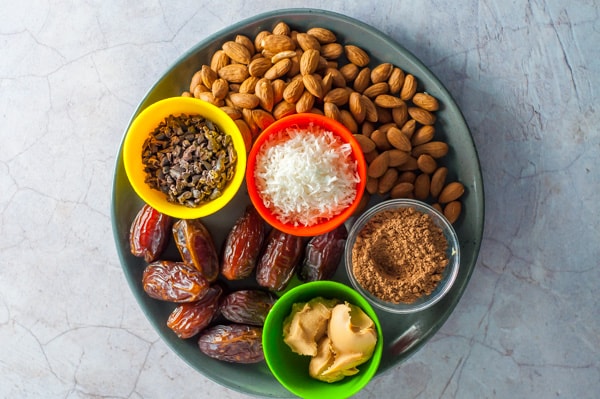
381 265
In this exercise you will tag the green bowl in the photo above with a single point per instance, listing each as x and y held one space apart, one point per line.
291 369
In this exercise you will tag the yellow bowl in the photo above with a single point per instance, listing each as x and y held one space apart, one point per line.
140 129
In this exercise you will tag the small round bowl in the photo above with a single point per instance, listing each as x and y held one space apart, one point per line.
291 369
449 274
300 121
140 129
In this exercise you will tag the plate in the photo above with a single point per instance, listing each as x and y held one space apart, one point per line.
403 334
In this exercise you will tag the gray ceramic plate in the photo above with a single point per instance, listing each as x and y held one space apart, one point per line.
404 334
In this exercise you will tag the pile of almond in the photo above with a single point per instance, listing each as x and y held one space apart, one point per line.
281 72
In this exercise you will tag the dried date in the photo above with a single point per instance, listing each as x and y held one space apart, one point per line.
278 262
149 233
188 319
235 343
196 246
247 306
174 282
323 255
243 245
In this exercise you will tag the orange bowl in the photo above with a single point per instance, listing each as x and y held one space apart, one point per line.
305 121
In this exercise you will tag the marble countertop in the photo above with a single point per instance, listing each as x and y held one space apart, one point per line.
526 76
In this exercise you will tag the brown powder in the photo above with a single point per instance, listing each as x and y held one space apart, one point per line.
400 255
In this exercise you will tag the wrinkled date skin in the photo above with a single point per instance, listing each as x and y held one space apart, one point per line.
323 255
149 233
278 262
197 248
174 282
243 245
235 343
188 319
247 306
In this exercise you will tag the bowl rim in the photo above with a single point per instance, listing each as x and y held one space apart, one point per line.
450 273
304 119
154 114
303 293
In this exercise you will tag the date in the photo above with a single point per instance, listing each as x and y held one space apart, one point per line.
323 255
279 260
235 343
149 233
174 282
247 306
243 245
196 246
188 319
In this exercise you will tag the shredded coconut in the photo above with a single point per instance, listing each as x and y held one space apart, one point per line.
305 176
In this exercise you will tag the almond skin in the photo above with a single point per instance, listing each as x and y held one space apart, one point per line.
426 101
379 165
237 52
356 55
381 72
426 163
452 211
421 190
421 115
309 61
388 101
451 192
438 179
436 149
365 143
409 87
402 190
398 140
396 80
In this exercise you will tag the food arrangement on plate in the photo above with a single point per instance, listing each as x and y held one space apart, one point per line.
321 132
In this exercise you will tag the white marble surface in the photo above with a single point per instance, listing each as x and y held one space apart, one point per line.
526 75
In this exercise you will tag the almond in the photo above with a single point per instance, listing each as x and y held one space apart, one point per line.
387 181
293 91
356 55
275 43
278 88
246 42
220 88
426 163
451 192
327 83
309 61
409 165
452 211
259 66
196 80
384 115
396 80
200 88
379 165
421 115
278 70
363 79
258 39
234 73
282 29
312 84
332 51
208 76
367 128
437 207
365 143
249 85
282 55
400 114
305 102
436 149
308 42
402 190
421 190
339 96
371 155
233 112
249 119
423 135
380 140
262 118
219 60
438 179
348 120
398 140
371 114
398 157
244 100
332 111
409 87
381 72
237 52
388 101
372 185
337 78
323 35
356 107
264 92
376 89
349 72
407 176
426 101
408 129
246 133
209 98
283 109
